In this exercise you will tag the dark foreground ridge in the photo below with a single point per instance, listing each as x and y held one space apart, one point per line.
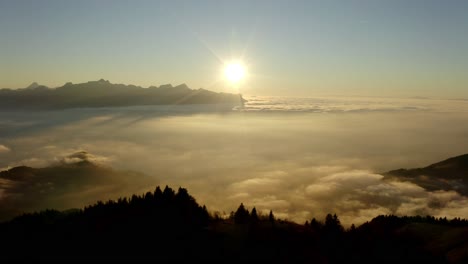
102 93
166 225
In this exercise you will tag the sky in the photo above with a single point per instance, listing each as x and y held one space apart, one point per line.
292 48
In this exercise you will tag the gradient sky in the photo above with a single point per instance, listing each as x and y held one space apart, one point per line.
388 48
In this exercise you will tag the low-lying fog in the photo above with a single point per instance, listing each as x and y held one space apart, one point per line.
300 165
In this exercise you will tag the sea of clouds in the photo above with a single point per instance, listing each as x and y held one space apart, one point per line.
301 158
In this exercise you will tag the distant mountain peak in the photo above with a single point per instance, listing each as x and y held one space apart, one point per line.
166 86
182 87
33 85
99 81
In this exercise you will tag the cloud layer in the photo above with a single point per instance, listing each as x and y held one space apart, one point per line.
301 165
350 105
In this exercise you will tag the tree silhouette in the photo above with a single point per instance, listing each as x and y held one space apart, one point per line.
168 194
315 225
271 217
254 216
241 216
157 193
333 224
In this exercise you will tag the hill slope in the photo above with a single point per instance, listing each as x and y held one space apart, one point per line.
450 174
75 181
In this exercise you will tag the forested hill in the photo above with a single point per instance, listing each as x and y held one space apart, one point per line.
102 93
166 225
449 174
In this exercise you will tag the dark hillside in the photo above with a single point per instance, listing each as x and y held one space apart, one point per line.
166 225
450 174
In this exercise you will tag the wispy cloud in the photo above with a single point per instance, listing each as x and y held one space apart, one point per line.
4 149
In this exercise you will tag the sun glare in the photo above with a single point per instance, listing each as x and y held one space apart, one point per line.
234 72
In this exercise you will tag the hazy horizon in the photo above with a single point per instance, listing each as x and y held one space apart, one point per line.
316 95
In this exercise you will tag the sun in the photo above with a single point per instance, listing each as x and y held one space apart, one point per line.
234 72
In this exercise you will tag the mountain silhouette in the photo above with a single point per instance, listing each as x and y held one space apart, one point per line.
33 85
102 93
450 174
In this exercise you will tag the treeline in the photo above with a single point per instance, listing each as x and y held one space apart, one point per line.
168 225
153 226
402 220
161 207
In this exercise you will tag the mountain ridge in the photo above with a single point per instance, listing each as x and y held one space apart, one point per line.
103 93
